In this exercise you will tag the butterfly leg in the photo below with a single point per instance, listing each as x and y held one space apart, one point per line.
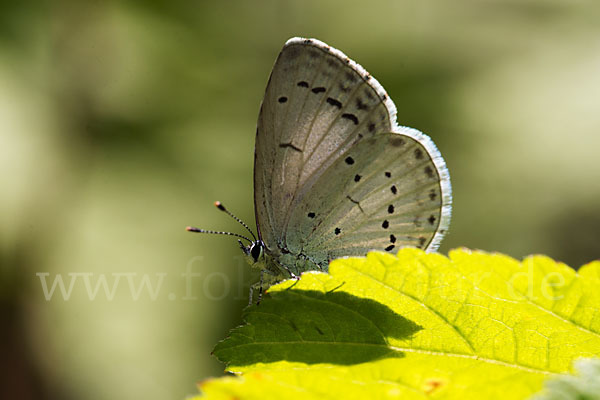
253 287
292 275
260 291
259 285
251 295
285 268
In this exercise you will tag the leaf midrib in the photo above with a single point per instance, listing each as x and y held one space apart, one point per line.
402 350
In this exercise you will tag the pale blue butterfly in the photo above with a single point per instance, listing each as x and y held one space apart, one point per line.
334 175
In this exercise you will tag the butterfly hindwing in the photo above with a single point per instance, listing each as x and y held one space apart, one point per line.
383 194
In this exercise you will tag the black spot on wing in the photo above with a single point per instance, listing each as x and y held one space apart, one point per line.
429 171
391 209
397 141
303 84
334 102
431 219
432 194
393 189
360 105
385 224
349 160
319 89
418 154
357 178
392 239
337 231
282 99
388 174
351 117
390 247
291 146
311 214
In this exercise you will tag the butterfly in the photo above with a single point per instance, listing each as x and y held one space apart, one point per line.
334 175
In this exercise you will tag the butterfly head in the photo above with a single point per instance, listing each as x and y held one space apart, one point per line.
254 252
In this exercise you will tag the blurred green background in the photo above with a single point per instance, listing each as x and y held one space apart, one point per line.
121 123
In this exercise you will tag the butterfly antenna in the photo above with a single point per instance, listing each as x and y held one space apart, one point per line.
198 230
222 208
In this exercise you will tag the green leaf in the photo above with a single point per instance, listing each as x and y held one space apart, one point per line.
415 325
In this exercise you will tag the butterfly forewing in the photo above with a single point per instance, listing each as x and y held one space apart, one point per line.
315 107
330 160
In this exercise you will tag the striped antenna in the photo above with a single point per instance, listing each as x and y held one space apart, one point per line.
222 208
198 230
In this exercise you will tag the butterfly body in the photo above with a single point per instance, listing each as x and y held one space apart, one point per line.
334 175
279 263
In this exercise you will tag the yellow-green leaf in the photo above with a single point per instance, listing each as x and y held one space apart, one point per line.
415 325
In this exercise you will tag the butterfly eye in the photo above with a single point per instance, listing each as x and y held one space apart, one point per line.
256 251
